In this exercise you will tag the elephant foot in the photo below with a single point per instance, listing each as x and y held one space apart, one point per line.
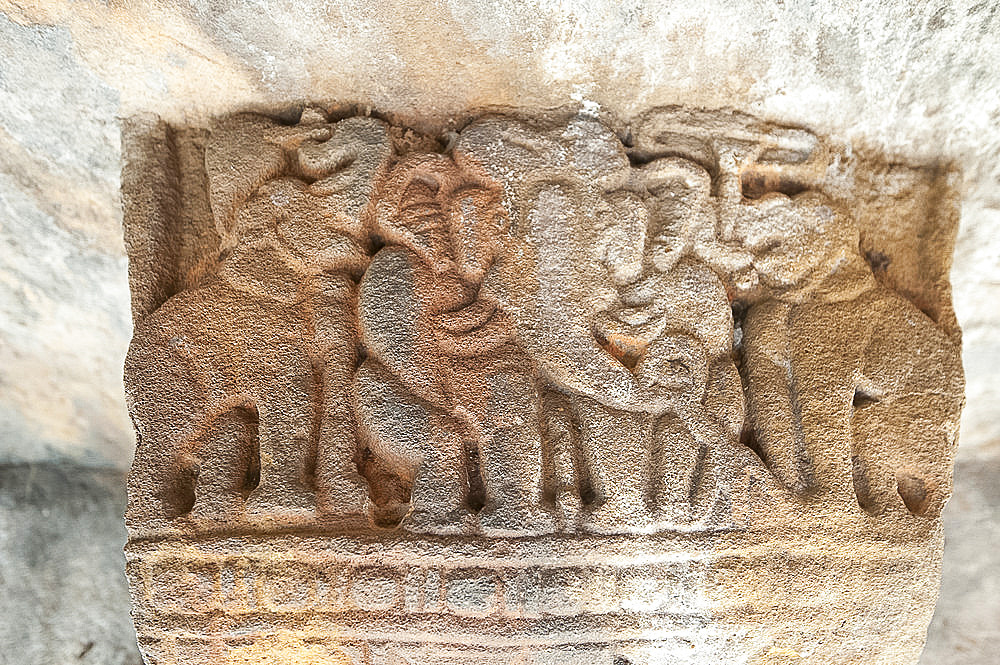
689 510
220 509
684 515
347 501
450 523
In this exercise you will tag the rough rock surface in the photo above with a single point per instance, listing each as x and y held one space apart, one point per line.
914 82
918 81
56 518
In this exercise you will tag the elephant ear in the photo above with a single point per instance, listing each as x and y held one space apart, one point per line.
348 167
551 276
393 318
180 194
551 208
345 159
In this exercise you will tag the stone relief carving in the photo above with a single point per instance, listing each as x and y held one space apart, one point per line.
239 389
446 397
542 330
623 318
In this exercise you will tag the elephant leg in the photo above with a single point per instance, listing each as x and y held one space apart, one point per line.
228 464
419 445
287 440
902 453
616 451
510 457
906 412
566 484
165 407
824 368
439 501
724 400
341 490
772 398
162 479
685 480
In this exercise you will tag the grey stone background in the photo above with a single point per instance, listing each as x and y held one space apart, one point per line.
919 81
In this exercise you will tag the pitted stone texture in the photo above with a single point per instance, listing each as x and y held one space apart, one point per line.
646 263
233 379
533 394
915 79
819 596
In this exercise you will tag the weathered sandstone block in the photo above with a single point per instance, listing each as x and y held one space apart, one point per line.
548 389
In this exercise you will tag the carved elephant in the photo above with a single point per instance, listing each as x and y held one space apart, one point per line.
852 390
623 319
445 398
256 364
